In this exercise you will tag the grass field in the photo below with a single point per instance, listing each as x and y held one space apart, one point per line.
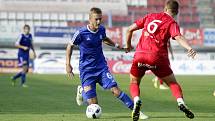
52 98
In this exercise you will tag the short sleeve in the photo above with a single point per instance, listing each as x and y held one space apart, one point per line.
174 30
140 22
18 40
76 39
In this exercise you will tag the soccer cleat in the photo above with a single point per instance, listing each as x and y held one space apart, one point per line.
143 116
136 110
187 112
79 98
155 82
162 87
24 85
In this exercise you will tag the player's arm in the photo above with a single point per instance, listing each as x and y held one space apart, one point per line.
129 34
183 42
21 46
32 48
69 50
171 51
18 45
109 42
76 40
175 33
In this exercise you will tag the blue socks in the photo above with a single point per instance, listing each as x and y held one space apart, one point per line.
23 78
22 75
126 100
17 75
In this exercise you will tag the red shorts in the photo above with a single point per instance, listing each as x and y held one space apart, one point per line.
160 66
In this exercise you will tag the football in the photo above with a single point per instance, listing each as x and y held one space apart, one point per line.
93 111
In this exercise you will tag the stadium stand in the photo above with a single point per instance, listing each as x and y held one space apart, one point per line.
193 13
61 13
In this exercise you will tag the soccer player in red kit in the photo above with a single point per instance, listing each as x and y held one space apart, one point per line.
152 53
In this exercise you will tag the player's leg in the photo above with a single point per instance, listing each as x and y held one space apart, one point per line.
126 100
108 82
174 87
136 75
19 74
24 72
135 93
89 91
177 93
165 73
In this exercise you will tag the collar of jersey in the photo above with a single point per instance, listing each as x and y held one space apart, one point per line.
91 30
168 14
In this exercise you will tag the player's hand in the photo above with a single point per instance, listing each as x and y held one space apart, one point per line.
128 49
69 71
25 48
191 53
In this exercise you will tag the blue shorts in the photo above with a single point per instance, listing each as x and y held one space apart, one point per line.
104 79
23 60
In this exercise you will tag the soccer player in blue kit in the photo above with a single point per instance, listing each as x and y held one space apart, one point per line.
24 44
92 64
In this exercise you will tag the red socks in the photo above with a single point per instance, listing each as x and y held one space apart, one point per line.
176 90
134 90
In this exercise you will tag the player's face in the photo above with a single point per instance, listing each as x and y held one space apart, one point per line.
95 20
26 30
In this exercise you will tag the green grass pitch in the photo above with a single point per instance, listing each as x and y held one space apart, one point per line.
52 98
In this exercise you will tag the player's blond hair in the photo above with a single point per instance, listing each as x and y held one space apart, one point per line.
173 6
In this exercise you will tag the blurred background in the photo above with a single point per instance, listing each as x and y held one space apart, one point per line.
53 23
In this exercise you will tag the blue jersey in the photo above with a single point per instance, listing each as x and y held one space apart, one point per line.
24 40
92 60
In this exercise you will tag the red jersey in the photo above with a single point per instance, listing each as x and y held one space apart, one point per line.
158 28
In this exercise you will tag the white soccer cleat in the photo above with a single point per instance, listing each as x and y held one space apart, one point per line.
79 98
162 87
24 85
143 116
155 82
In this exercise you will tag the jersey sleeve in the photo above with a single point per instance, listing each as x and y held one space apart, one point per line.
174 30
140 22
18 40
76 39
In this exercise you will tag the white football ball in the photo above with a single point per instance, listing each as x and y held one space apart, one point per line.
93 111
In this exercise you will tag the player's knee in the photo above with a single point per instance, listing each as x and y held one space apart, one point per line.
92 101
89 92
135 80
116 91
25 70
